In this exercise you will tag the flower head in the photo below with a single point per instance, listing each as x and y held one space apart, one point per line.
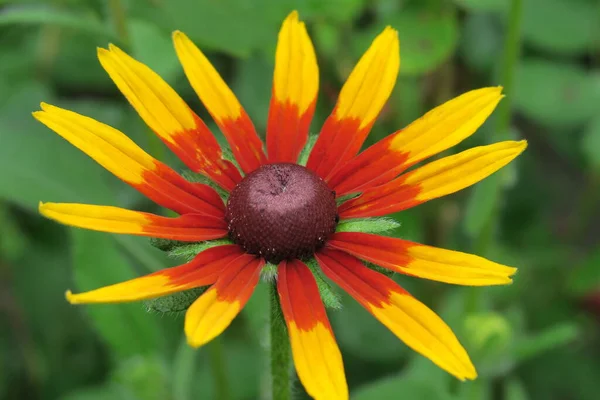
280 211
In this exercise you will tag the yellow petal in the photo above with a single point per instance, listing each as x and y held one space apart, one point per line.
212 313
409 319
422 261
188 227
446 125
203 270
371 82
221 103
453 173
317 357
296 76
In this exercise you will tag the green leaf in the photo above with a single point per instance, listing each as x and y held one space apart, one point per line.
428 37
549 339
40 15
590 144
481 42
109 391
560 26
38 164
97 262
252 86
483 5
400 386
515 390
368 225
184 368
154 48
556 94
585 278
144 376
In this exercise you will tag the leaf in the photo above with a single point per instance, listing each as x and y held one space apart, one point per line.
428 37
549 339
585 278
556 94
252 85
154 48
590 144
560 26
109 391
481 41
41 15
146 377
400 387
483 5
127 328
39 164
515 390
184 368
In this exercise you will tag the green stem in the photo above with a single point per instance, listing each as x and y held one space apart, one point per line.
512 49
280 351
219 369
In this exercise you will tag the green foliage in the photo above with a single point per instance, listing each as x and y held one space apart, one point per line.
556 93
539 214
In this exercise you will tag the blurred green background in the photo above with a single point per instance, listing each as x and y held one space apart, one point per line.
536 339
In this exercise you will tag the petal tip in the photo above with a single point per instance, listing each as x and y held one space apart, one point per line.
293 16
70 297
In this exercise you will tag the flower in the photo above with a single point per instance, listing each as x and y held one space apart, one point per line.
282 212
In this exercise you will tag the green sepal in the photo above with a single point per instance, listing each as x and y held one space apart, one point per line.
330 297
384 271
190 250
344 198
175 302
310 143
199 178
367 225
228 156
268 273
166 244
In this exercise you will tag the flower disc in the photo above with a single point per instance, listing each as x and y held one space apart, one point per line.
281 211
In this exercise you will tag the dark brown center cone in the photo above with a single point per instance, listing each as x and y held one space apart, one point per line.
280 212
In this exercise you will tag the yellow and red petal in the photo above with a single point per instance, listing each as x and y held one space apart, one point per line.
212 312
295 88
169 116
221 103
188 227
203 270
361 99
422 261
436 131
121 156
409 319
317 357
433 180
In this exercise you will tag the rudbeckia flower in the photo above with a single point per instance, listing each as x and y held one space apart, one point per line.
283 212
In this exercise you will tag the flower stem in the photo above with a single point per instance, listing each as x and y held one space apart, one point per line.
219 369
280 351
